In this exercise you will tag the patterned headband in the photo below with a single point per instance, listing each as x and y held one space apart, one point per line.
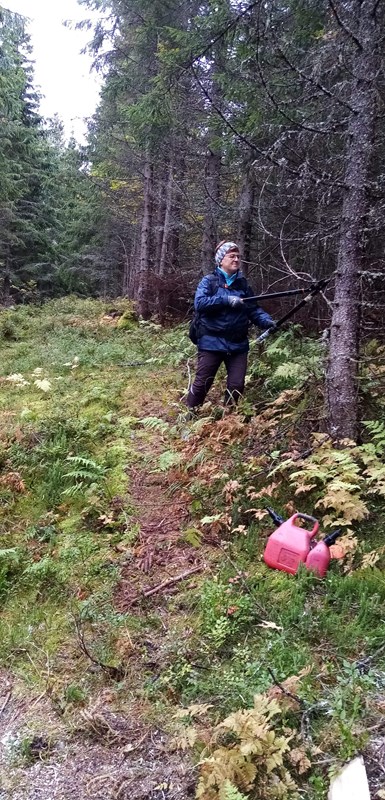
222 250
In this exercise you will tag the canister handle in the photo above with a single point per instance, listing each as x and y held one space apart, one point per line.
308 518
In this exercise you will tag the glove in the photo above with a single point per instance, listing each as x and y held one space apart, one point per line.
270 329
234 301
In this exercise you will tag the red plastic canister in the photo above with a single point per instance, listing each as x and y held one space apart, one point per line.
289 545
318 559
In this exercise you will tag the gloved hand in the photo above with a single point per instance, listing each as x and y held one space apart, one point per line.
270 329
234 301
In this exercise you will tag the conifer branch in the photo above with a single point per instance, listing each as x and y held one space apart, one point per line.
343 25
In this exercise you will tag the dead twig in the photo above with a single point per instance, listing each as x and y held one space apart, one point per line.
116 673
166 584
123 782
363 664
121 786
130 748
6 701
292 696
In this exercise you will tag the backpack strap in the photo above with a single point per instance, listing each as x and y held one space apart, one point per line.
214 281
244 283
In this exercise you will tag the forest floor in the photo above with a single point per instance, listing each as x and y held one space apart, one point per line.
136 610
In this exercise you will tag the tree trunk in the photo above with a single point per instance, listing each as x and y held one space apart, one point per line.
342 388
6 298
212 190
245 221
213 169
167 229
126 268
167 225
179 205
134 257
160 213
143 297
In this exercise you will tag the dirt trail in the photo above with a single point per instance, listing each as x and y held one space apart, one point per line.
111 751
109 756
161 501
160 554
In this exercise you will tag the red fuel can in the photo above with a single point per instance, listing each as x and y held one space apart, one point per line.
289 545
319 557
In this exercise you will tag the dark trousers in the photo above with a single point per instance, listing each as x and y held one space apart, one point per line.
209 362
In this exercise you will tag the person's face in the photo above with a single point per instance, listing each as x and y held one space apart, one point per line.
230 262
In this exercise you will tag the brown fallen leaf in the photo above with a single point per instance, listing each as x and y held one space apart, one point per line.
267 624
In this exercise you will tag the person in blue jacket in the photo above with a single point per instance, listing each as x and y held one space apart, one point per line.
223 320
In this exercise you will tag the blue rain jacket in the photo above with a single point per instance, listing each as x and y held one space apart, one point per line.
222 327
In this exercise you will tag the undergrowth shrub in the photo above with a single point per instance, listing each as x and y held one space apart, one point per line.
15 323
341 482
47 576
288 360
85 474
47 453
8 329
226 610
10 559
248 752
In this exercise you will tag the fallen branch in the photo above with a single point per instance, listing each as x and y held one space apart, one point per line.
129 364
6 701
116 673
363 665
166 584
292 696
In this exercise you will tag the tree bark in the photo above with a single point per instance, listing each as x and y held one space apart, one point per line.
160 213
134 257
126 268
213 168
6 298
161 300
179 204
212 190
245 221
143 297
342 384
167 225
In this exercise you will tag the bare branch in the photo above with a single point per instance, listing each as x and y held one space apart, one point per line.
313 81
240 135
278 106
284 691
343 26
116 673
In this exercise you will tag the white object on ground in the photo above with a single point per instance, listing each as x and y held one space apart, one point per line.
351 783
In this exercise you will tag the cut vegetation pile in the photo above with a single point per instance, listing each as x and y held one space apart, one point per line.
147 651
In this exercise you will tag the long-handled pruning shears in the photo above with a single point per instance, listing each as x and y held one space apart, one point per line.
310 291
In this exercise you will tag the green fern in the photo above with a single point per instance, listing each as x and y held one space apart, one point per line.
230 792
155 424
85 462
9 556
85 473
167 460
290 370
45 569
377 433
